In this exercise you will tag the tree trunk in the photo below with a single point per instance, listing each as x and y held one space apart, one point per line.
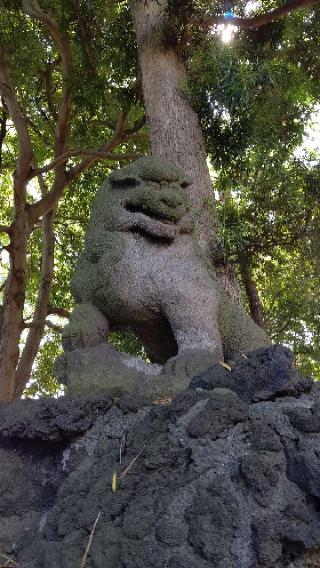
229 281
3 131
37 327
14 297
256 310
175 131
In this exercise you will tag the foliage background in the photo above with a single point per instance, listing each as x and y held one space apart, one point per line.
255 98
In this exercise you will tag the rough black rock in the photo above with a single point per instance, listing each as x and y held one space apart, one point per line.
227 475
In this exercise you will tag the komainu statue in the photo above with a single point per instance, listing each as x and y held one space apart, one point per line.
142 269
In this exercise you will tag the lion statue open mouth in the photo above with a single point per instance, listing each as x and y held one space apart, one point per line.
141 268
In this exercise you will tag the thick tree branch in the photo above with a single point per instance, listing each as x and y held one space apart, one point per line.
9 96
48 323
260 19
51 310
14 296
32 344
256 309
56 311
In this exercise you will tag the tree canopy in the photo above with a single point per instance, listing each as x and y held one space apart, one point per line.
72 70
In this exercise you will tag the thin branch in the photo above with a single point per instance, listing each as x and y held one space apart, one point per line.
126 156
85 34
137 125
98 154
284 326
37 130
107 147
102 123
5 229
54 326
49 88
272 304
3 129
140 123
260 19
49 201
8 94
61 40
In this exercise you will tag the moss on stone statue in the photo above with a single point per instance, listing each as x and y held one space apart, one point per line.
142 269
150 169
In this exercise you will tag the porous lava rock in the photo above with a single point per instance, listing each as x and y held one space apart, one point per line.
226 475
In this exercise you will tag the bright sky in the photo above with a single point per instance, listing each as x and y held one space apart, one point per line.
251 7
312 137
311 141
227 31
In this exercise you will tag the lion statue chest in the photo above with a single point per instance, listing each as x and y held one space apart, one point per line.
136 288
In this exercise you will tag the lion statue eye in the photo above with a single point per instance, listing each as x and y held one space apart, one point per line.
125 183
121 180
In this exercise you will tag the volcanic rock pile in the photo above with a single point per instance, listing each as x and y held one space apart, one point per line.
226 475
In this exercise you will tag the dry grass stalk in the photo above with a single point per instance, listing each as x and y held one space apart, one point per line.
122 445
225 365
12 564
85 556
122 475
114 484
163 400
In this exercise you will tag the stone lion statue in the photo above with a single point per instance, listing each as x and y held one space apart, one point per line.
142 269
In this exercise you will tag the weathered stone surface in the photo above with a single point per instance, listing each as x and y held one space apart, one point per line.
141 269
53 419
222 410
221 478
261 375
